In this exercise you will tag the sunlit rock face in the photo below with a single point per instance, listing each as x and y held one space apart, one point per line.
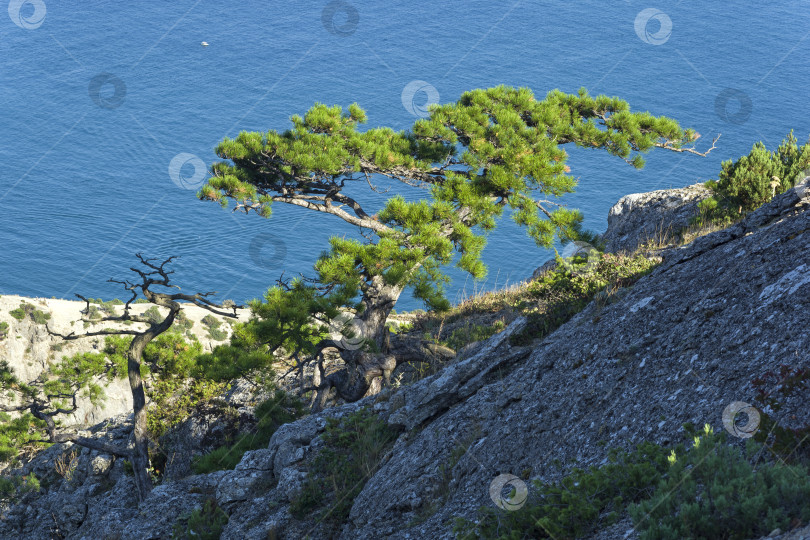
652 218
679 346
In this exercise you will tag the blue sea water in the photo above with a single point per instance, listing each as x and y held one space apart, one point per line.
98 98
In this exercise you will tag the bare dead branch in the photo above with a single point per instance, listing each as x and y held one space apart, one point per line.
668 145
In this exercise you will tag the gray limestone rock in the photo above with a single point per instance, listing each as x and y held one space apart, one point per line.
642 218
679 346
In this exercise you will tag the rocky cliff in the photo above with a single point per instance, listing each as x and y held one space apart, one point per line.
29 349
679 346
652 218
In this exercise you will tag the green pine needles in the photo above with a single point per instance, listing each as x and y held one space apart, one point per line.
751 181
494 151
713 491
709 490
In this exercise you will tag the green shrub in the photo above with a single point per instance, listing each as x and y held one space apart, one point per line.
40 317
708 491
354 447
712 491
12 487
153 315
205 523
170 353
173 400
19 434
401 328
217 334
182 323
280 409
26 309
109 307
579 504
3 330
558 295
746 184
214 332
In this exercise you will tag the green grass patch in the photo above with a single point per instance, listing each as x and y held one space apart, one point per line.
557 296
470 333
354 447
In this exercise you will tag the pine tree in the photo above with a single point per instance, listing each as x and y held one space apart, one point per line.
753 180
54 392
493 150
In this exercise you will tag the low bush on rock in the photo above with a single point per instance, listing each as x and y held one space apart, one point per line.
12 487
554 298
579 503
29 310
214 331
710 490
354 448
19 436
713 491
205 523
751 181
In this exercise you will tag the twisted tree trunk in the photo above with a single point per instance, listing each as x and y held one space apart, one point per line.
371 356
139 456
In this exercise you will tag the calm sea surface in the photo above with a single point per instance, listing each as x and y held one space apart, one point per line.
98 100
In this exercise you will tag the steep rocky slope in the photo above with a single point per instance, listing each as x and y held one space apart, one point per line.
679 346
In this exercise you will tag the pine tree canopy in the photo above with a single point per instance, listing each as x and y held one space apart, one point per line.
492 149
